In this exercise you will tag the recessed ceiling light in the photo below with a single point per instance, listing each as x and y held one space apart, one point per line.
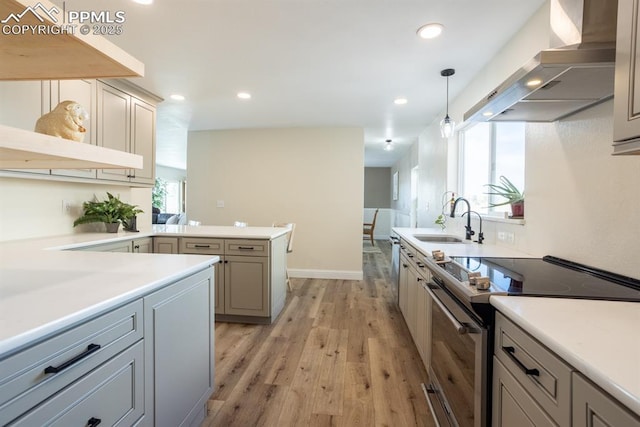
244 95
487 114
177 97
143 1
400 101
430 31
534 82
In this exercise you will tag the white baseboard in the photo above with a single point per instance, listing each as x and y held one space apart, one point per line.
325 274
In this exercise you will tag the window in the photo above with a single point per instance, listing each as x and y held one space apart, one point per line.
487 151
169 195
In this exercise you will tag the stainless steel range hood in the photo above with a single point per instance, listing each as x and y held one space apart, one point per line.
577 73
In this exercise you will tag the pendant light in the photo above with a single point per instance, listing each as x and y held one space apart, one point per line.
388 146
447 125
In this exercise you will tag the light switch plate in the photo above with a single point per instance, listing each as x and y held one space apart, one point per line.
220 204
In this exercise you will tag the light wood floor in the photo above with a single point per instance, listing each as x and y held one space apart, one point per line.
339 354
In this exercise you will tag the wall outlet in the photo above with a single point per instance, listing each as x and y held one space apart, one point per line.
66 207
220 203
506 237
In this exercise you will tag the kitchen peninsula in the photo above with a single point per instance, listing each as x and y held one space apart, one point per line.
80 323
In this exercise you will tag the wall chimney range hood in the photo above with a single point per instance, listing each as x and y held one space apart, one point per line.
576 73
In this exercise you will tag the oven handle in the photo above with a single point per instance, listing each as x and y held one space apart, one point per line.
460 328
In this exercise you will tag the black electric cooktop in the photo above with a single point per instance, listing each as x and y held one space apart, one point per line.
548 276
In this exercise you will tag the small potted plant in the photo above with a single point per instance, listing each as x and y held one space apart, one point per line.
111 212
510 192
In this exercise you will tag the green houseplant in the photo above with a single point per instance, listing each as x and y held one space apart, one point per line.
511 193
112 212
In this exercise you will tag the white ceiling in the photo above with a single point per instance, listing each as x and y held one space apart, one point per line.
308 63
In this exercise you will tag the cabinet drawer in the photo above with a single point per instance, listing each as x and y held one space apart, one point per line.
542 374
190 245
111 395
246 247
24 383
408 250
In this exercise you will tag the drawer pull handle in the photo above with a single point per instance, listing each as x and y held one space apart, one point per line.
201 246
511 353
93 422
91 348
410 255
245 248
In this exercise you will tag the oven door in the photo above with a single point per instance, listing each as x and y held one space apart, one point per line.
458 372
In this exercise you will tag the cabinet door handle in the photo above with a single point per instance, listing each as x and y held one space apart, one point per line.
404 266
419 279
245 248
410 255
93 422
92 348
511 353
201 246
136 247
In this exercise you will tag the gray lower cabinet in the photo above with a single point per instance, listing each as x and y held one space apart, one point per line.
403 285
207 246
165 245
413 299
112 395
246 285
593 407
141 245
250 278
532 386
53 380
147 363
545 378
179 351
512 406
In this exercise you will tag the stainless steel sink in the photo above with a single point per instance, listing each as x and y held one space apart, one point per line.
437 239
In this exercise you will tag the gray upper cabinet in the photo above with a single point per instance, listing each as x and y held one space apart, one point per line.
126 123
21 105
122 117
84 93
626 123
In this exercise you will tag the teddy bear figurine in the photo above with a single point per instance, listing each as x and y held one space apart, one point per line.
64 121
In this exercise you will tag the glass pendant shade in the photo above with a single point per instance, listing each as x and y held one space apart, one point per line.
446 126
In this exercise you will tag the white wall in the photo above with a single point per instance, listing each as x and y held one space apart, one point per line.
33 208
383 222
313 177
172 174
582 203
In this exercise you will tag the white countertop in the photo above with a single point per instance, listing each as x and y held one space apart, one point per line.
220 231
598 338
467 248
44 288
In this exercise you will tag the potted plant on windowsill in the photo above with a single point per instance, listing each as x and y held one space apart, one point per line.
112 212
511 193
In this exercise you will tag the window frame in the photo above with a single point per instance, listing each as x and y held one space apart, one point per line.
492 170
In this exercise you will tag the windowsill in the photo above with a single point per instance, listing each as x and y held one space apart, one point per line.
493 218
